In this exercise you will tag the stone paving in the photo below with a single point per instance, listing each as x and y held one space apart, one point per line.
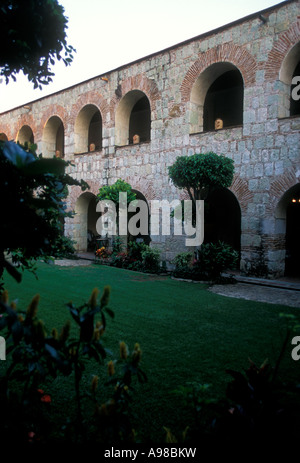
259 293
72 262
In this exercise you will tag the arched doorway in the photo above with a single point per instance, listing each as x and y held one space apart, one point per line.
222 218
287 220
86 216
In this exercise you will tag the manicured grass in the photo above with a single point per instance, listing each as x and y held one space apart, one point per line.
187 334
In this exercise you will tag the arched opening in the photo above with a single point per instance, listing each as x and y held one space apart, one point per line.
224 101
139 219
288 222
53 138
140 121
295 99
85 233
290 68
95 132
3 137
25 135
133 119
217 94
88 130
222 218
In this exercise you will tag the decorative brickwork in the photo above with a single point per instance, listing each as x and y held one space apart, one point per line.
231 53
282 46
279 186
140 82
52 110
241 190
92 97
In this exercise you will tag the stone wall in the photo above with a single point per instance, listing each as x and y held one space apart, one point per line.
265 147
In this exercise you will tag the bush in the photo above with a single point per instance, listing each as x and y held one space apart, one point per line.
212 259
35 357
151 260
183 261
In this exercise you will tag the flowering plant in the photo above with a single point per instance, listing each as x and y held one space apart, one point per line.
35 355
103 253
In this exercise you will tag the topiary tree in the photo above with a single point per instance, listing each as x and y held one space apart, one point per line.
32 37
111 192
201 173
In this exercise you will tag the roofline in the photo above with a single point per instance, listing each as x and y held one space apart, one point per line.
165 50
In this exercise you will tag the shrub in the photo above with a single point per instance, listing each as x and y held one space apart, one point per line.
151 260
35 357
183 260
212 259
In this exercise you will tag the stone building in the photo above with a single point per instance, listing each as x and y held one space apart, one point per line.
241 73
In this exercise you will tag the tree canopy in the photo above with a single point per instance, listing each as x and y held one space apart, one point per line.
111 192
200 173
32 37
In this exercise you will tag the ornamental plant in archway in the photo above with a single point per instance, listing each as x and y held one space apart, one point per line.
112 193
200 173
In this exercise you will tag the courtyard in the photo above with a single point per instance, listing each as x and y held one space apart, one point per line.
189 336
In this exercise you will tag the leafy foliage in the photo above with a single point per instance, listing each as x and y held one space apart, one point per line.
151 260
137 256
211 260
183 261
200 173
33 191
258 407
35 357
111 192
33 36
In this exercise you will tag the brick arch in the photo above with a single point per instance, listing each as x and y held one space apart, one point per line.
7 130
26 119
75 192
139 82
279 187
94 98
53 110
229 53
144 186
240 189
286 41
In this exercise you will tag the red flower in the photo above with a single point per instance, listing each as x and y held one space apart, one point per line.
46 398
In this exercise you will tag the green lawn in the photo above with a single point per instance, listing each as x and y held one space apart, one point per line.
187 334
